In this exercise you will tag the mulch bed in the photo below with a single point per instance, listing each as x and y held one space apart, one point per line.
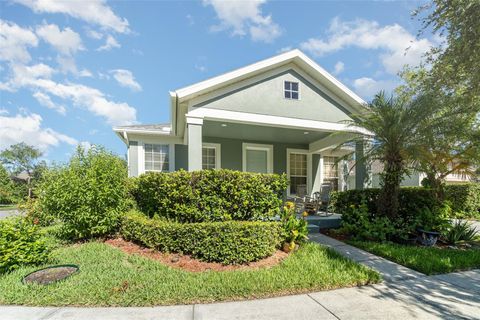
50 275
187 263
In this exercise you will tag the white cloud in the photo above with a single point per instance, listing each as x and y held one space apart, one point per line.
126 79
14 41
200 67
67 42
285 49
94 34
245 17
398 47
3 111
368 87
67 64
46 101
338 68
110 43
92 11
37 79
28 128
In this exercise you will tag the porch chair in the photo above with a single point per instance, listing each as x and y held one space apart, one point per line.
323 198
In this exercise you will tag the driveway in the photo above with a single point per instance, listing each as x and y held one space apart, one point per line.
8 213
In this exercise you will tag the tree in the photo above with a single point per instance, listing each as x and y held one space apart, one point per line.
394 123
19 158
455 66
6 187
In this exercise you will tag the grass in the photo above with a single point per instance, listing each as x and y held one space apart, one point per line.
109 277
427 260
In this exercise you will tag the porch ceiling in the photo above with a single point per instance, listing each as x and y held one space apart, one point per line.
260 133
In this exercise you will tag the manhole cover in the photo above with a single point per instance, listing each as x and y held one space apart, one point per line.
50 274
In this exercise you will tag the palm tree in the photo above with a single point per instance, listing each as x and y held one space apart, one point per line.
393 123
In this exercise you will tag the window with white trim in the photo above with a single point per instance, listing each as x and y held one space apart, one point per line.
298 172
257 158
330 171
156 157
211 156
291 90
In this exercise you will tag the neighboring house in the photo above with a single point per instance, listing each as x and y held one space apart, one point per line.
274 116
414 180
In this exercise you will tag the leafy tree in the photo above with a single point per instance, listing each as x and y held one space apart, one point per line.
6 187
87 196
455 66
393 121
19 158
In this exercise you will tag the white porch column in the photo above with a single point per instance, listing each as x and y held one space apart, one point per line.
194 136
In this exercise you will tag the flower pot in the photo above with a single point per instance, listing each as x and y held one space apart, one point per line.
287 247
427 238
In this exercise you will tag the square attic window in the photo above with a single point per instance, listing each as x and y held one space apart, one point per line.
291 90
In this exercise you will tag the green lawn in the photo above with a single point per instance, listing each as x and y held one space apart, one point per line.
109 277
428 260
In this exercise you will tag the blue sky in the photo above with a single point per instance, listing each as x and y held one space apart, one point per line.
71 70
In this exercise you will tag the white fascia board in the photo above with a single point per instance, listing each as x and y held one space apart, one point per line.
173 111
272 121
143 131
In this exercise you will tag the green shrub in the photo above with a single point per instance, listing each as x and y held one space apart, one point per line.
21 243
464 199
86 196
230 242
411 199
460 231
358 223
210 195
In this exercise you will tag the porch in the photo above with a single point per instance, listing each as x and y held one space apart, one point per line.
302 149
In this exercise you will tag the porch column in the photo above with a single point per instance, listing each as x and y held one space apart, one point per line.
194 136
360 168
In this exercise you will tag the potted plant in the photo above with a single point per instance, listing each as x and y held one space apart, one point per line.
431 224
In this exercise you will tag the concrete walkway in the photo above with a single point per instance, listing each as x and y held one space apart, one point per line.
390 271
405 294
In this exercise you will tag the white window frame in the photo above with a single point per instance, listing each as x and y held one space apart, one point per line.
262 147
218 153
309 168
283 90
324 177
141 156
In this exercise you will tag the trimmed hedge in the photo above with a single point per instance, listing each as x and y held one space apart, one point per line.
230 242
463 198
411 200
209 195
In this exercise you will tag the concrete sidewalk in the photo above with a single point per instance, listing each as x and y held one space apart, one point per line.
405 294
452 296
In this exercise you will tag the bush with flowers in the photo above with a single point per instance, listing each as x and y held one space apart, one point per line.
295 231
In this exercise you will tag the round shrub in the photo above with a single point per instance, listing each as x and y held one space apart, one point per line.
86 196
21 244
230 242
210 195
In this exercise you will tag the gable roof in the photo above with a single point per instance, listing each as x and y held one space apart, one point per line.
294 56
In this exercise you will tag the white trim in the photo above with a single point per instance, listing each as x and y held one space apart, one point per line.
141 156
298 91
309 168
273 121
255 146
159 132
194 120
218 153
